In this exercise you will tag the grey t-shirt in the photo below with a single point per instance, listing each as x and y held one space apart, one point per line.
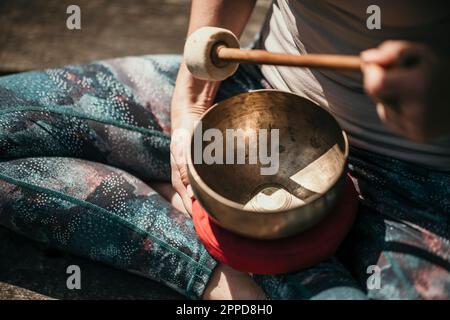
339 27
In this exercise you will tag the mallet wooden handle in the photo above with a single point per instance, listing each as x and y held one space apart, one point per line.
327 61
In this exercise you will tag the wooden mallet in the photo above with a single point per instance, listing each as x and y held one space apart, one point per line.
214 54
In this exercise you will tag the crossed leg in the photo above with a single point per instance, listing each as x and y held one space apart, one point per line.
80 147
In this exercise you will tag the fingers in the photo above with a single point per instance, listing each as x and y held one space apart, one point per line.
180 184
398 76
167 191
380 82
395 92
391 53
187 194
182 191
180 142
387 78
190 192
374 76
405 125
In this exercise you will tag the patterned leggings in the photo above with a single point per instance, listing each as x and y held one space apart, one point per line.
79 145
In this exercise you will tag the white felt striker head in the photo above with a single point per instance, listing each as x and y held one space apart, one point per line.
198 53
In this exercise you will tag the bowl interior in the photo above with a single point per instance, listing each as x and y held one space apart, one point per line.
301 164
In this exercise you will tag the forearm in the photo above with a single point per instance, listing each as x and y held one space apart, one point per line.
228 14
197 94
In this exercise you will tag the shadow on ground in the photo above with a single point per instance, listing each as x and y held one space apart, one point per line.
28 270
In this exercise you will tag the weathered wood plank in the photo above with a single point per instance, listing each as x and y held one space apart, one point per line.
33 33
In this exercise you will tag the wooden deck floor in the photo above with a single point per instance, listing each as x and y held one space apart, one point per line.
34 33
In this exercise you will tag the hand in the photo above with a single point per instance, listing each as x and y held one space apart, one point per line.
179 146
191 98
411 88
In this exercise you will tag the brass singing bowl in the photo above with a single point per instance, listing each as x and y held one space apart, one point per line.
312 157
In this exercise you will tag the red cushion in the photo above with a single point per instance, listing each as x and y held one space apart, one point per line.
281 255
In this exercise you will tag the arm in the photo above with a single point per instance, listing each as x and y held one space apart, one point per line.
192 97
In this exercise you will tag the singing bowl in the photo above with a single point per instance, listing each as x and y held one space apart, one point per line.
312 156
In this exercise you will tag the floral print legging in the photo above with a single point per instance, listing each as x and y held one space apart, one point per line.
79 146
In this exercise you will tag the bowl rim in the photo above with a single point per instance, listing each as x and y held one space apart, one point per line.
235 205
